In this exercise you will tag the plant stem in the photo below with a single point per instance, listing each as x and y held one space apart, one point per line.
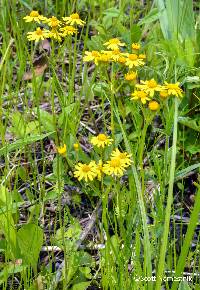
161 263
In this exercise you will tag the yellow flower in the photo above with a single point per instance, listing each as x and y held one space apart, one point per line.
133 60
173 89
122 59
114 167
86 171
34 16
53 22
91 56
123 156
164 94
62 150
131 76
114 44
153 106
105 57
150 87
101 140
76 146
68 30
140 95
99 170
38 34
115 54
55 34
142 56
74 19
136 46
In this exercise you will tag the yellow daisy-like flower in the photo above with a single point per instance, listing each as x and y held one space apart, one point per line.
122 60
150 87
105 57
164 94
38 34
55 34
115 55
123 156
101 140
86 171
173 89
62 150
153 106
131 76
76 146
53 22
74 19
99 170
91 56
133 60
114 167
135 46
140 95
114 44
34 16
68 30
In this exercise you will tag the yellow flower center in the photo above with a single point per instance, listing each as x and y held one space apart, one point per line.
152 84
54 21
132 56
39 31
95 53
102 137
86 168
141 94
153 105
172 86
74 16
115 162
34 14
131 76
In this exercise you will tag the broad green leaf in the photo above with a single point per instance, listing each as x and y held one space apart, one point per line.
151 17
189 122
81 286
30 240
184 286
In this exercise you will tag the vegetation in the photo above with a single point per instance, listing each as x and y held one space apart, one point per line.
99 151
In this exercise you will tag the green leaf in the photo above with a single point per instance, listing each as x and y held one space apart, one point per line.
46 120
30 240
181 174
151 17
189 122
184 286
81 286
19 144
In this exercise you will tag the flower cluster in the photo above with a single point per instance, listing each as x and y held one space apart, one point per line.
55 28
147 90
144 91
114 53
116 166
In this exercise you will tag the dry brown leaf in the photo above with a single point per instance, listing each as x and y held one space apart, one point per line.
39 64
45 45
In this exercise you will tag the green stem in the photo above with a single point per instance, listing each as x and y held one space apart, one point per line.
163 249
